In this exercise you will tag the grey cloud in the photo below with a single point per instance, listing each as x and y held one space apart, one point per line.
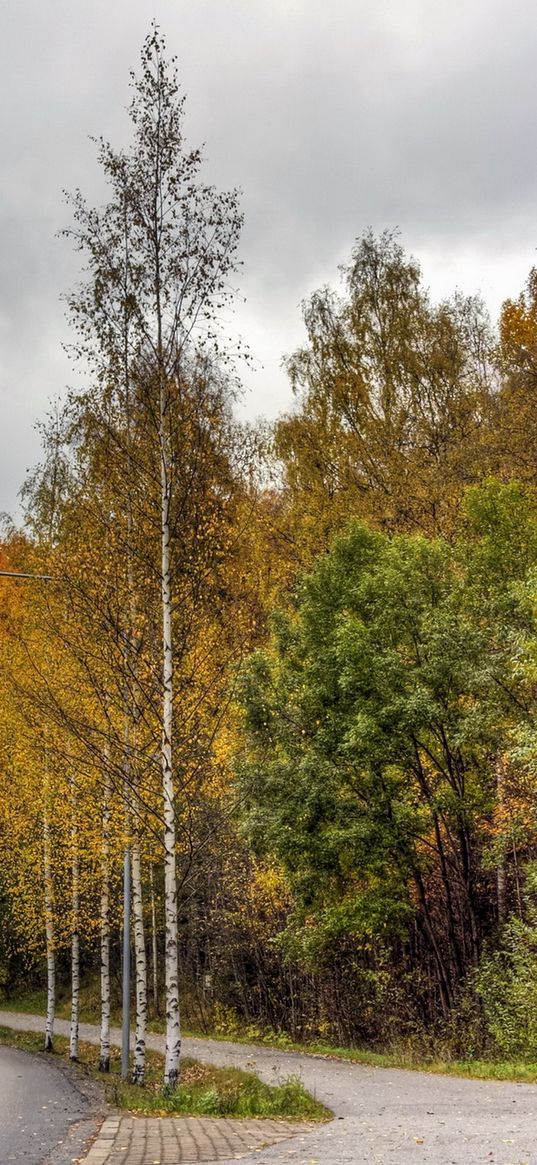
331 117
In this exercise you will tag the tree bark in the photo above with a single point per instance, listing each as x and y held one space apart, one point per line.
154 941
104 1054
138 1072
173 1028
49 928
75 929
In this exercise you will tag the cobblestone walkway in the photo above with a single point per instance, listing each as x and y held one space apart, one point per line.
130 1140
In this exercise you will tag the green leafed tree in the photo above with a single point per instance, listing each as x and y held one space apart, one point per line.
373 725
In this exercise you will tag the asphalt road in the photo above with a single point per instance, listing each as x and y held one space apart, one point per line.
382 1116
394 1117
44 1115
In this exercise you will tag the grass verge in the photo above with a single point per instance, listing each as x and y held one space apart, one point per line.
519 1070
203 1091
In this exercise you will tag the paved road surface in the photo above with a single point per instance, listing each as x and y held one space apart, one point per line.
383 1116
43 1114
395 1117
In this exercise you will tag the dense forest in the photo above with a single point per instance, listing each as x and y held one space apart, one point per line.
284 676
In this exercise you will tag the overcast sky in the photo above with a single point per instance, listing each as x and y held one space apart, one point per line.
331 115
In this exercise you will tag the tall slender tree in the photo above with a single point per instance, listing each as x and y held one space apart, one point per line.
158 259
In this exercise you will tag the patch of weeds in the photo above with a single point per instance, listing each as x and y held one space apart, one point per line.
208 1091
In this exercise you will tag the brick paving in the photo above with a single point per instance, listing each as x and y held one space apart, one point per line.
132 1140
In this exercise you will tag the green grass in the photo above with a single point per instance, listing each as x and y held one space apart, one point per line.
203 1091
35 1003
31 1002
516 1070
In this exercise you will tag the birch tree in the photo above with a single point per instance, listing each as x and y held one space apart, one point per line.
48 895
158 259
75 925
104 917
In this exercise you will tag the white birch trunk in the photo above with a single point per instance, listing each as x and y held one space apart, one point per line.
104 1053
75 930
127 879
173 1028
138 1071
154 939
49 928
